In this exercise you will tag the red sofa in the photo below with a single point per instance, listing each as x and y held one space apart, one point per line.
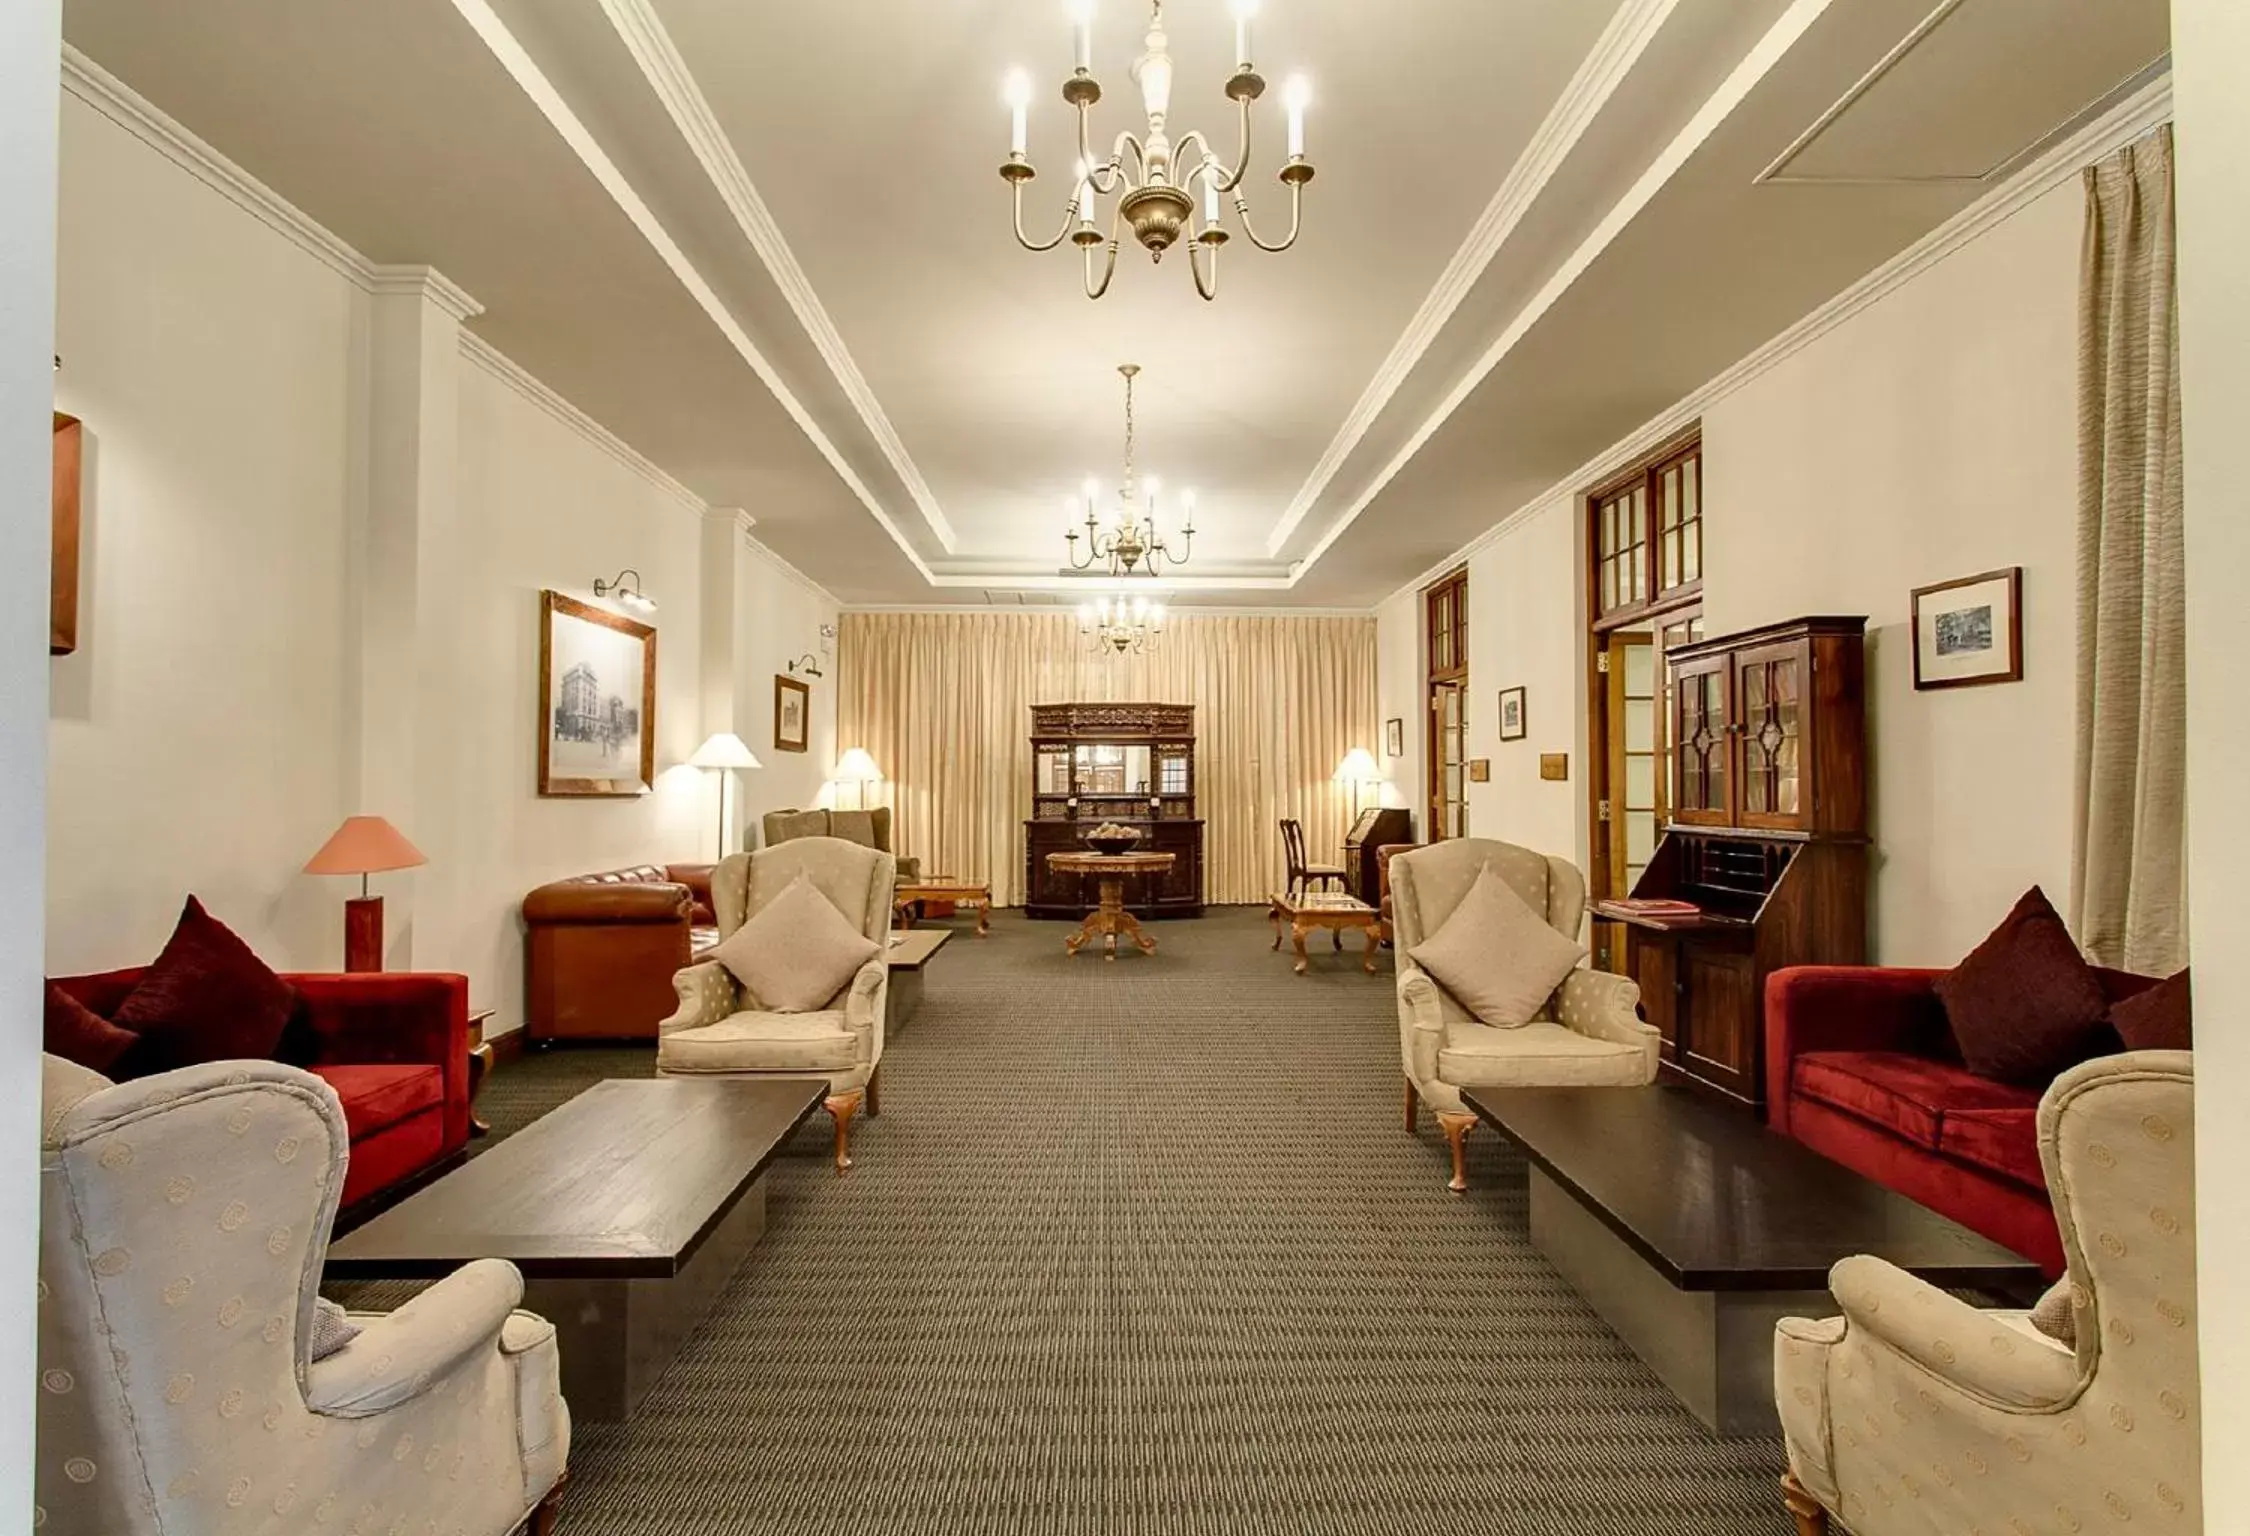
395 1047
1861 1067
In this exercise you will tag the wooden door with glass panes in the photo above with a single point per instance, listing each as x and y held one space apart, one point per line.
1769 692
1630 795
1449 760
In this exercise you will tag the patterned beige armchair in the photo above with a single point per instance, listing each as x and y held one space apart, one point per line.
1916 1412
719 1030
183 1222
870 828
1589 1035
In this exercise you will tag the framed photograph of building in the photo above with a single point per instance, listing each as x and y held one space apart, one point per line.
1394 738
1512 726
597 700
792 713
1969 632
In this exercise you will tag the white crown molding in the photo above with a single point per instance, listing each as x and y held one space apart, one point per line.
122 105
668 76
1763 56
1048 579
765 552
1589 91
426 283
2145 109
514 58
741 519
1173 610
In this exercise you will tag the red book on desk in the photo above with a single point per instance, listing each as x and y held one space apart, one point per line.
1654 906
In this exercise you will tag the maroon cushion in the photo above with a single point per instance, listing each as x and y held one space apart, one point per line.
2024 1005
2002 1141
375 1098
1908 1095
206 998
76 1033
2155 1018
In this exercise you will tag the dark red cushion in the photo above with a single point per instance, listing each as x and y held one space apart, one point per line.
76 1033
375 1098
2002 1141
2024 1005
1908 1095
2155 1018
206 998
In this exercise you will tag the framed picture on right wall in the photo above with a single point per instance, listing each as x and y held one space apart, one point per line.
1969 632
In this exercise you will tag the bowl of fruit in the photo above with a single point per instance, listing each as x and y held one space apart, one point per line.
1110 838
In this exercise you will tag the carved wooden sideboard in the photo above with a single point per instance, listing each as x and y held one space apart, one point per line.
1133 764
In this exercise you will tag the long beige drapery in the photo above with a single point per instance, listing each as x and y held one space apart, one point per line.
2129 894
942 701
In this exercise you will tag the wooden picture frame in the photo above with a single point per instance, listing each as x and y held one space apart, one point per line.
1480 770
1513 724
1394 738
585 723
792 714
1972 637
62 570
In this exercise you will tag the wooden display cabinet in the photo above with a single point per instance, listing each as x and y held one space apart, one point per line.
1133 764
1766 838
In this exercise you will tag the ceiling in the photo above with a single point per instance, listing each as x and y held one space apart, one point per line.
767 244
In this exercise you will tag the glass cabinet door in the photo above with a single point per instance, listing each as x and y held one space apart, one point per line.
1702 713
1770 687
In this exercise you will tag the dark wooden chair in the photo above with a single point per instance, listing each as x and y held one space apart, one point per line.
1302 874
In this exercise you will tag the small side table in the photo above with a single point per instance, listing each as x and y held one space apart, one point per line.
1333 911
480 1066
1110 918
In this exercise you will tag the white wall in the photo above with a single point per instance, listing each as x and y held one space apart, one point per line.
778 617
1399 696
1933 435
2211 53
196 739
30 35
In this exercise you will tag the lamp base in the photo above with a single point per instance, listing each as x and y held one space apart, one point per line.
363 933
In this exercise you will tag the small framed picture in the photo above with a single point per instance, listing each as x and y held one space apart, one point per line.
792 713
1969 632
1480 770
1512 727
1394 738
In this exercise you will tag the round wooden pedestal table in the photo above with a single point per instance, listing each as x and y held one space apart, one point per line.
1110 919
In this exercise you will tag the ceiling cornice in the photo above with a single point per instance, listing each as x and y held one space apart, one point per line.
2131 118
1604 69
427 283
1769 51
656 56
514 58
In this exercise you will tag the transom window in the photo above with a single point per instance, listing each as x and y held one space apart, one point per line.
1648 536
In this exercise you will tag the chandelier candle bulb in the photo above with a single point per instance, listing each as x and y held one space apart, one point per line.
1019 112
1297 97
1082 24
1210 198
1243 11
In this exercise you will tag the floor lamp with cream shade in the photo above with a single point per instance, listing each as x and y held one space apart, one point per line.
724 752
362 846
1358 768
856 767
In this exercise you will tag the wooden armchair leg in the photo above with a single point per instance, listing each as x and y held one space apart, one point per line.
548 1510
1811 1518
841 1107
1457 1124
1413 1103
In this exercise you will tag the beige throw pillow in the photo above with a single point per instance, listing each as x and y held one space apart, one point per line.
796 952
1496 956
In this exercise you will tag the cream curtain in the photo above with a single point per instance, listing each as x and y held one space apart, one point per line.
2129 894
943 703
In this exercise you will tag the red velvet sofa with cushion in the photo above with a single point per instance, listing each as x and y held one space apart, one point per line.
1861 1067
395 1047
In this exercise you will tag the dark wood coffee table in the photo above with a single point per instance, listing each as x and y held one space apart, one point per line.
627 1210
1691 1229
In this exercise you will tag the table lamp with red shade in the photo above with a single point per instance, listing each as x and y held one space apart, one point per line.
362 846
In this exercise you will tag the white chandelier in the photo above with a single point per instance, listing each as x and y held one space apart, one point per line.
1131 543
1115 626
1156 197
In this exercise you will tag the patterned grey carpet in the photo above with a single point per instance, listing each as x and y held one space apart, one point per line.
1142 1247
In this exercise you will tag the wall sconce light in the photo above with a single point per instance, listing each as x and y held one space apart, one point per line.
808 664
627 592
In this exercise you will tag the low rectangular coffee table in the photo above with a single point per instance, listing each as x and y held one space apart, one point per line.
962 893
1692 1229
1332 910
910 952
627 1210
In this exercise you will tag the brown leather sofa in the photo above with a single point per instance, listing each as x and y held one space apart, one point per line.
600 950
870 828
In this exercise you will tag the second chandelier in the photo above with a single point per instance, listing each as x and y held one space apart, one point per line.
1156 197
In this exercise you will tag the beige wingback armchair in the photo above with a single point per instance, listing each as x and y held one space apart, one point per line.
183 1221
720 1030
870 828
1916 1412
1589 1035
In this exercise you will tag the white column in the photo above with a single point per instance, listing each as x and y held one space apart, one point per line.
404 587
2211 62
721 596
30 99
